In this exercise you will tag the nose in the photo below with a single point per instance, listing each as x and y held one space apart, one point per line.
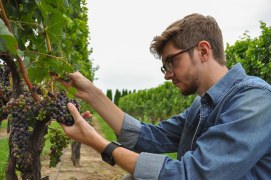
168 75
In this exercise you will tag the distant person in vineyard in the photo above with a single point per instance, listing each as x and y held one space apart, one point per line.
224 134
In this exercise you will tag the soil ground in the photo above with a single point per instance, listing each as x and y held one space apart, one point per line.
91 166
3 133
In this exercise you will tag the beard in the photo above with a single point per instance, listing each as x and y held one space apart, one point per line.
191 89
192 85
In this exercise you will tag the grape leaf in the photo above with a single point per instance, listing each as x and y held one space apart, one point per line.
37 73
7 40
71 92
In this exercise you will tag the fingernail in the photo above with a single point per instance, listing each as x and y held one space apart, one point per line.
69 105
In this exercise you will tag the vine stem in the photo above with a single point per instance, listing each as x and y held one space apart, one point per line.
44 54
48 42
19 59
4 16
49 47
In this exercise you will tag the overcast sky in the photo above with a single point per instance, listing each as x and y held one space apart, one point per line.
121 32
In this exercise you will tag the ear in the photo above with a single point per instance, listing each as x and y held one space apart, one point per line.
204 50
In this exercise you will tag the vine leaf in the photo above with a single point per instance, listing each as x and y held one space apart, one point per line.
37 74
39 70
7 40
71 92
55 23
54 20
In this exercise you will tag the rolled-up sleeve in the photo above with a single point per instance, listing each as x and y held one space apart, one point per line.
129 132
148 165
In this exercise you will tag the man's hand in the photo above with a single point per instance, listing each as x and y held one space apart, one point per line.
82 132
78 81
86 115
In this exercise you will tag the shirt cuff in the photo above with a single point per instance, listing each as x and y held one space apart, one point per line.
129 132
148 166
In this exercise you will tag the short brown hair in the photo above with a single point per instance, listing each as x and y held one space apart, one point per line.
187 32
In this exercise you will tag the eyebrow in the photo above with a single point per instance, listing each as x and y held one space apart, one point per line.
167 57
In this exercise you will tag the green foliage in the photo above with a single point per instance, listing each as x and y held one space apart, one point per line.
107 132
119 94
7 41
4 124
117 97
109 94
155 104
49 36
52 36
253 54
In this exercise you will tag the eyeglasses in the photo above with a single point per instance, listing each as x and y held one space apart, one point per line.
168 62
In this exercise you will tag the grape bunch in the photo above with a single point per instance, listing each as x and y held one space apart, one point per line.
20 113
5 83
59 141
23 113
58 108
5 75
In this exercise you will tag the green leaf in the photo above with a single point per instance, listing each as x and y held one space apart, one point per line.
26 61
55 23
7 40
71 92
61 67
37 74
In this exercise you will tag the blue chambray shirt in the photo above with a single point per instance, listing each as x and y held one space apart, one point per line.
225 134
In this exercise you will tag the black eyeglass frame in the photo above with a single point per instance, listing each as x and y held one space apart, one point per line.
167 65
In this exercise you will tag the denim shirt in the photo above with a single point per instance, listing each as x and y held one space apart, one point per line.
224 134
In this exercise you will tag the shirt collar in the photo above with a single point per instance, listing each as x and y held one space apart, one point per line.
219 90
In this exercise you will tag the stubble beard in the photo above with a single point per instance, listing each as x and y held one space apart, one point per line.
192 85
190 90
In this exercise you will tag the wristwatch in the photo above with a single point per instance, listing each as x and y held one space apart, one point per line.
107 153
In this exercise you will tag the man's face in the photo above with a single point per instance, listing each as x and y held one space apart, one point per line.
185 70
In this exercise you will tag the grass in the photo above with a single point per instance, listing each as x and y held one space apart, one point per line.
3 157
4 124
107 132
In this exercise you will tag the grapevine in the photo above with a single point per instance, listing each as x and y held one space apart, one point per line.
23 111
37 38
20 112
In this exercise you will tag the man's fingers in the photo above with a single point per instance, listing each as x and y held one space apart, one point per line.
67 84
86 115
73 110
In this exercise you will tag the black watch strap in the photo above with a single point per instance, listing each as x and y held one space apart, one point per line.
107 153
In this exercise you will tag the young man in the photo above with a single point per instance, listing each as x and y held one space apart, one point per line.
224 134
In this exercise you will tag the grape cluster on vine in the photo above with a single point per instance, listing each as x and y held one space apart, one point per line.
58 108
20 113
24 111
59 141
5 83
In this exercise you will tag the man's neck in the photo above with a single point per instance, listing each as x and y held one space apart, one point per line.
211 74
